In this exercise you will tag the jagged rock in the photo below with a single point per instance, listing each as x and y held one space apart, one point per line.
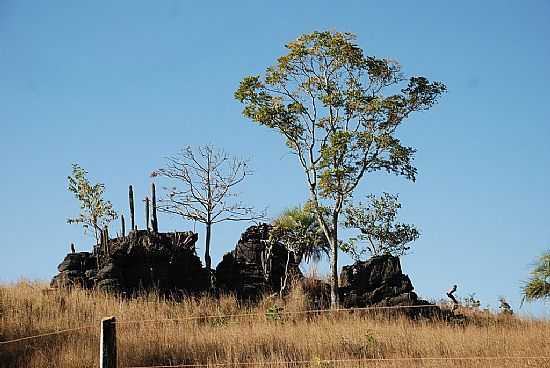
77 261
139 261
68 278
379 282
255 266
167 262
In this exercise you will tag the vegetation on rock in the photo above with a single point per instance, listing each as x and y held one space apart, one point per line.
379 231
203 189
95 212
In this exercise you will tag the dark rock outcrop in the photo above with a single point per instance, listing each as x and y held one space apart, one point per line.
379 282
167 263
255 266
142 260
73 270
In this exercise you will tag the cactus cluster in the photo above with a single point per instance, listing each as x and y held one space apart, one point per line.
151 220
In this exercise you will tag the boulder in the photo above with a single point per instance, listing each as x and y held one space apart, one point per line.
380 281
68 279
166 262
77 261
256 265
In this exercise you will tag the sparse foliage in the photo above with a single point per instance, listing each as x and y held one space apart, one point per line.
538 285
95 212
204 190
338 111
379 231
299 231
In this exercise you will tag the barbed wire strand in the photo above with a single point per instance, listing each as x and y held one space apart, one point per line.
280 313
47 334
358 360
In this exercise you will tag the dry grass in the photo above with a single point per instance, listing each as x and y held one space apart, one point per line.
27 309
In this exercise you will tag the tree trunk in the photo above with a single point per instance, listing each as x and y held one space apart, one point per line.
331 235
207 260
334 295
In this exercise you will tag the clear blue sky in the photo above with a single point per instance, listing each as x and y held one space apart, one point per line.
116 86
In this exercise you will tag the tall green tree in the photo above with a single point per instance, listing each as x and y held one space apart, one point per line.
95 212
538 285
338 111
379 231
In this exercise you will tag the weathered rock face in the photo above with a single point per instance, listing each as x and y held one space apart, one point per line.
167 262
255 266
73 270
140 261
378 281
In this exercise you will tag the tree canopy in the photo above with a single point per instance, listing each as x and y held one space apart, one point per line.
379 231
95 212
338 111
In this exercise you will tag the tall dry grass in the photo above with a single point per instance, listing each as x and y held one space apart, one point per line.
29 308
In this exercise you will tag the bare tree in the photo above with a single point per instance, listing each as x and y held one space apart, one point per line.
204 180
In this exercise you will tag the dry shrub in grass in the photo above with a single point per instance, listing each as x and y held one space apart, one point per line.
25 310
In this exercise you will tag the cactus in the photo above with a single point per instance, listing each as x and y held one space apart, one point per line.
154 221
123 225
147 213
131 198
106 239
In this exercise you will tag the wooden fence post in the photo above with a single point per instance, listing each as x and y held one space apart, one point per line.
107 343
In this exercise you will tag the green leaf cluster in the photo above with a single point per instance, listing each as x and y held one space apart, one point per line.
298 230
379 231
538 285
338 109
95 212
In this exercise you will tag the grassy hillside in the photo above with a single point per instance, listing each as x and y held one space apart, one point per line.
30 308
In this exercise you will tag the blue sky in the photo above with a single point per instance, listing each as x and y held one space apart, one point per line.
117 86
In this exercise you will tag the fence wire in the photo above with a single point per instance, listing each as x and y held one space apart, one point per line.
358 360
278 313
58 332
239 315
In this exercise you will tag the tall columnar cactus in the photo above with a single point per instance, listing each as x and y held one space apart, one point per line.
131 199
123 225
147 213
106 239
154 221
